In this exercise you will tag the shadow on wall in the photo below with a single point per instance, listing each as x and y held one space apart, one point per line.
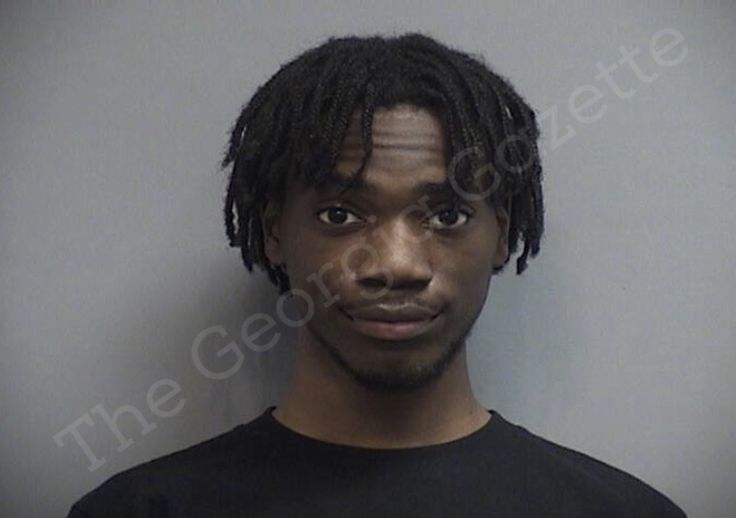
178 366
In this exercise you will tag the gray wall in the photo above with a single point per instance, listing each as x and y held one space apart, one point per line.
618 341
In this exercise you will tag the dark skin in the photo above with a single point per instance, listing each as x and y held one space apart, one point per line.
367 247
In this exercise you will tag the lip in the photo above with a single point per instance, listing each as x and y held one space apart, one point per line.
403 313
401 323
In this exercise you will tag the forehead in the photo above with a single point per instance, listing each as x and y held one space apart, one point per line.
409 152
408 159
403 137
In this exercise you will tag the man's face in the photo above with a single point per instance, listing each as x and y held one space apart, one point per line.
388 251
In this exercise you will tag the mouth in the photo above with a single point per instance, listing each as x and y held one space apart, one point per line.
394 330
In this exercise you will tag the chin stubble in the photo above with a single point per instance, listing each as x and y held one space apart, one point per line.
399 381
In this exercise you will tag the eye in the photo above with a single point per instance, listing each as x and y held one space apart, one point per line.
337 216
450 218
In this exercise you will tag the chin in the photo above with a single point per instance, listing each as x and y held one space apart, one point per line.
393 366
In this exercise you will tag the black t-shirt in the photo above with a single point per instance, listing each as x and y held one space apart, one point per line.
264 469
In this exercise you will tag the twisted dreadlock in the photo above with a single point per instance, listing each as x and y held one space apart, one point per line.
296 121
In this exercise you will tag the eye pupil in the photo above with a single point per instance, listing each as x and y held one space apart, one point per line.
341 215
451 220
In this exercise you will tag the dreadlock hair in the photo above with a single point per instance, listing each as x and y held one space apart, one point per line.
295 124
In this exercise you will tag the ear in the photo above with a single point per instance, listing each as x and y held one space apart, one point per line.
502 245
270 221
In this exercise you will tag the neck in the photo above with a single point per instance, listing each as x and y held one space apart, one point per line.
324 402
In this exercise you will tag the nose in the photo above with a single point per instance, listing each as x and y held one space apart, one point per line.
398 259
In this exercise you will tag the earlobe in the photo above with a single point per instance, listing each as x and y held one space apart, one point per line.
270 217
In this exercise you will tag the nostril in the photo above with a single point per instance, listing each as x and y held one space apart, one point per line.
374 282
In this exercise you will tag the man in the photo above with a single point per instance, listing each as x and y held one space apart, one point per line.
381 182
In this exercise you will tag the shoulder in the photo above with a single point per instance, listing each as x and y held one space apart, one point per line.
150 488
564 475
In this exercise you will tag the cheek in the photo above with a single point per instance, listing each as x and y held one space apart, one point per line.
468 270
316 270
472 276
473 254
